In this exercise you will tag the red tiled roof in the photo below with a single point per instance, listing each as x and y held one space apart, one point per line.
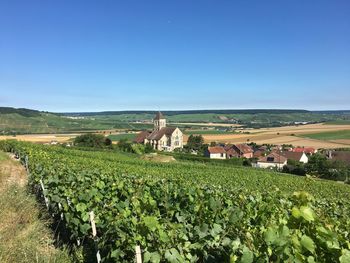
244 148
230 151
216 149
306 150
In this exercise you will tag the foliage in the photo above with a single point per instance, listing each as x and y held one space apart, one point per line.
185 212
195 142
126 146
320 166
297 169
92 140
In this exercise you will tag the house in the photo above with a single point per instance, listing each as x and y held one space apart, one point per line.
162 138
343 156
273 160
258 154
216 152
296 156
239 150
307 150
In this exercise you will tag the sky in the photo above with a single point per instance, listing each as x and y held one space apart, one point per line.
72 55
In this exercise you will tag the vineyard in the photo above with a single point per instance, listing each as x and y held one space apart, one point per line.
188 212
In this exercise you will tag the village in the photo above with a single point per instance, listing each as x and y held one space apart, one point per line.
277 157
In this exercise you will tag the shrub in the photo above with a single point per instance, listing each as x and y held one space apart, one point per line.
92 140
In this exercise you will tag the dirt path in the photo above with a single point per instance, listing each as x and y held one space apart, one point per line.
12 172
24 234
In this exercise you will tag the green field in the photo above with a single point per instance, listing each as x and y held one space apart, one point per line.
333 135
118 137
339 122
190 212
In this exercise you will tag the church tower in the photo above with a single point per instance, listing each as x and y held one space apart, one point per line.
159 121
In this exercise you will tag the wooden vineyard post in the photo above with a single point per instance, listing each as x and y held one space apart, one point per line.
138 254
44 194
60 209
26 163
94 233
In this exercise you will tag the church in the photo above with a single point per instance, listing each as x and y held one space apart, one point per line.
162 138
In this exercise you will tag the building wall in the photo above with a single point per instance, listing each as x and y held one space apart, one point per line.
166 143
270 165
176 139
248 155
158 124
304 158
217 155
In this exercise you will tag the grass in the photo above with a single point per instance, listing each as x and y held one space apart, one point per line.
339 122
332 135
118 137
24 235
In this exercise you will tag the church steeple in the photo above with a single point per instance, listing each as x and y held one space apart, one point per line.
159 121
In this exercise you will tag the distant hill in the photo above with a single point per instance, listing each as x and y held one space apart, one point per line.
181 112
21 121
21 111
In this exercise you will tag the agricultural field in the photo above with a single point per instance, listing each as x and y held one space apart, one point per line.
118 137
294 135
333 135
201 132
189 212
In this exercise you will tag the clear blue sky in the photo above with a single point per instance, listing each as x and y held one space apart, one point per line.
122 55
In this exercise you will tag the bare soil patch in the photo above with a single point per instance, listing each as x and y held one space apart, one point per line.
158 158
40 138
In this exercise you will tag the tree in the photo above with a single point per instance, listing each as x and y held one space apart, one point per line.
195 142
124 145
92 140
318 165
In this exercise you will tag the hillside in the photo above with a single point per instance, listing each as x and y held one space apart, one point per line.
21 121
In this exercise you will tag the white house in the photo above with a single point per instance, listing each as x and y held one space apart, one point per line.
162 138
296 156
216 152
273 160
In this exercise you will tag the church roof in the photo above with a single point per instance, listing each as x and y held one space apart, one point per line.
154 135
140 138
157 135
159 116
